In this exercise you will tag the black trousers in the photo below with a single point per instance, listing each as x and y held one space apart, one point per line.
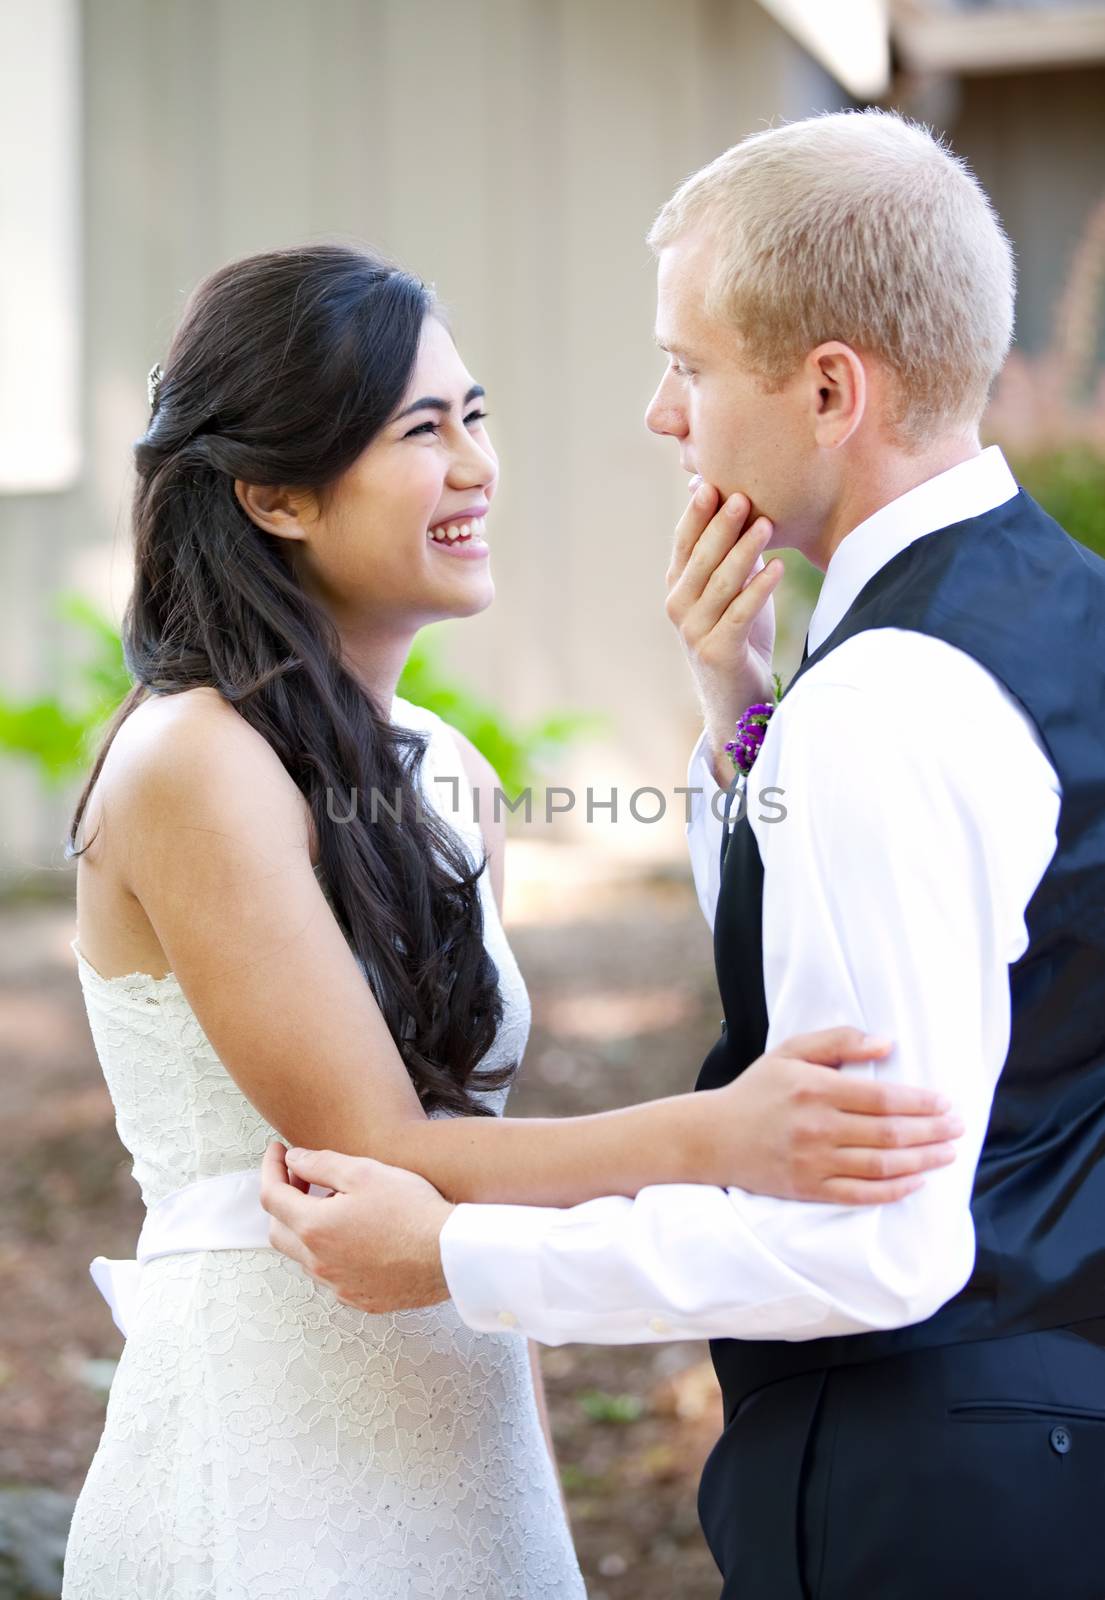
967 1472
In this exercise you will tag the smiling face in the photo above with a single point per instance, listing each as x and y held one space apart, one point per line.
398 541
731 429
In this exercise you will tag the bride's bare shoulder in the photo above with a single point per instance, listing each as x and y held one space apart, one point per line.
195 750
192 706
166 732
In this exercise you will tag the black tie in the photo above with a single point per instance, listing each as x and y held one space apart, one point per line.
725 829
805 650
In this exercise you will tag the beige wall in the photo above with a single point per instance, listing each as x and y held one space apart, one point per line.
513 152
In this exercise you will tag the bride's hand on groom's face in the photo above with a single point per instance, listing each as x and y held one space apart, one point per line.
808 1131
720 601
374 1241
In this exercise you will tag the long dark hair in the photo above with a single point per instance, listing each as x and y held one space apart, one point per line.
283 369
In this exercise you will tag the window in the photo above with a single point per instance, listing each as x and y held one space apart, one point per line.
39 246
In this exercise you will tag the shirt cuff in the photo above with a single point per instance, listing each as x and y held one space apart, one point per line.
499 1260
700 773
704 826
489 1257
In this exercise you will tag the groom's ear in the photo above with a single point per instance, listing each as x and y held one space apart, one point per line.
838 392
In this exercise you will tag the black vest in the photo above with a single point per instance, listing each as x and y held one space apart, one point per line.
1014 591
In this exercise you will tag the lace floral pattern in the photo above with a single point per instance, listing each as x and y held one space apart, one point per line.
265 1442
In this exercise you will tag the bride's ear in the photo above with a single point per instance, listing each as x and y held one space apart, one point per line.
839 392
281 511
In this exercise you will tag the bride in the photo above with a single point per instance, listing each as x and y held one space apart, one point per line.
283 928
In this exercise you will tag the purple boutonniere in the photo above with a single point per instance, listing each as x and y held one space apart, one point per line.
744 747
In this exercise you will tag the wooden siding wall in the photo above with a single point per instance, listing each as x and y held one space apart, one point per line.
514 153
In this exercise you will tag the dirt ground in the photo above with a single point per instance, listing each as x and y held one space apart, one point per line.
624 1009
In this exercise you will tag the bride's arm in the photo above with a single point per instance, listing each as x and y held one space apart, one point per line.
215 847
543 1413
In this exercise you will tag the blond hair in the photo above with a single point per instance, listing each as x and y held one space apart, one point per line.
863 227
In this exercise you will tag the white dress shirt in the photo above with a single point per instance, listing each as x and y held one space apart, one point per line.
920 815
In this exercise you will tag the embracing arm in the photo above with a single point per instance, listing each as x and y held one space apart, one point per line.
895 891
219 858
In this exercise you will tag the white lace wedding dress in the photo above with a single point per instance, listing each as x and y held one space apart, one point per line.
265 1442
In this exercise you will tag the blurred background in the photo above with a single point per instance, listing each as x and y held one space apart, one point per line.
513 153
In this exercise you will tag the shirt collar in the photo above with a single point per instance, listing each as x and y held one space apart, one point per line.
968 490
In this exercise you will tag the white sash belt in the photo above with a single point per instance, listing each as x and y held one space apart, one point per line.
221 1213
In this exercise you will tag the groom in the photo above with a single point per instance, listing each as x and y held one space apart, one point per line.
915 1393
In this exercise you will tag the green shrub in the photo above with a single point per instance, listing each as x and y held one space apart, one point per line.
620 1408
1070 485
517 754
58 734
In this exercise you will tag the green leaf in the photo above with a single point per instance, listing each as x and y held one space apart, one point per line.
516 753
45 733
1070 485
57 734
619 1408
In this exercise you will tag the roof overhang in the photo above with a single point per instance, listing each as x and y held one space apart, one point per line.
935 37
850 38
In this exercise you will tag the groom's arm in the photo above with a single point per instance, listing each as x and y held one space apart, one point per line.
921 814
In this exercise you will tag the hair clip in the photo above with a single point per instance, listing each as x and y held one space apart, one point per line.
153 384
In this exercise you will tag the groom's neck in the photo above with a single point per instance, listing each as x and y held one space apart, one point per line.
877 477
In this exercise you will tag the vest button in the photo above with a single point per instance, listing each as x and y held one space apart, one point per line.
1060 1441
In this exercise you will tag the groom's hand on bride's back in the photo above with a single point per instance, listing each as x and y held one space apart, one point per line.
374 1241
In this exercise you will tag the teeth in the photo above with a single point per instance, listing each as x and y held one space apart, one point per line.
454 532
